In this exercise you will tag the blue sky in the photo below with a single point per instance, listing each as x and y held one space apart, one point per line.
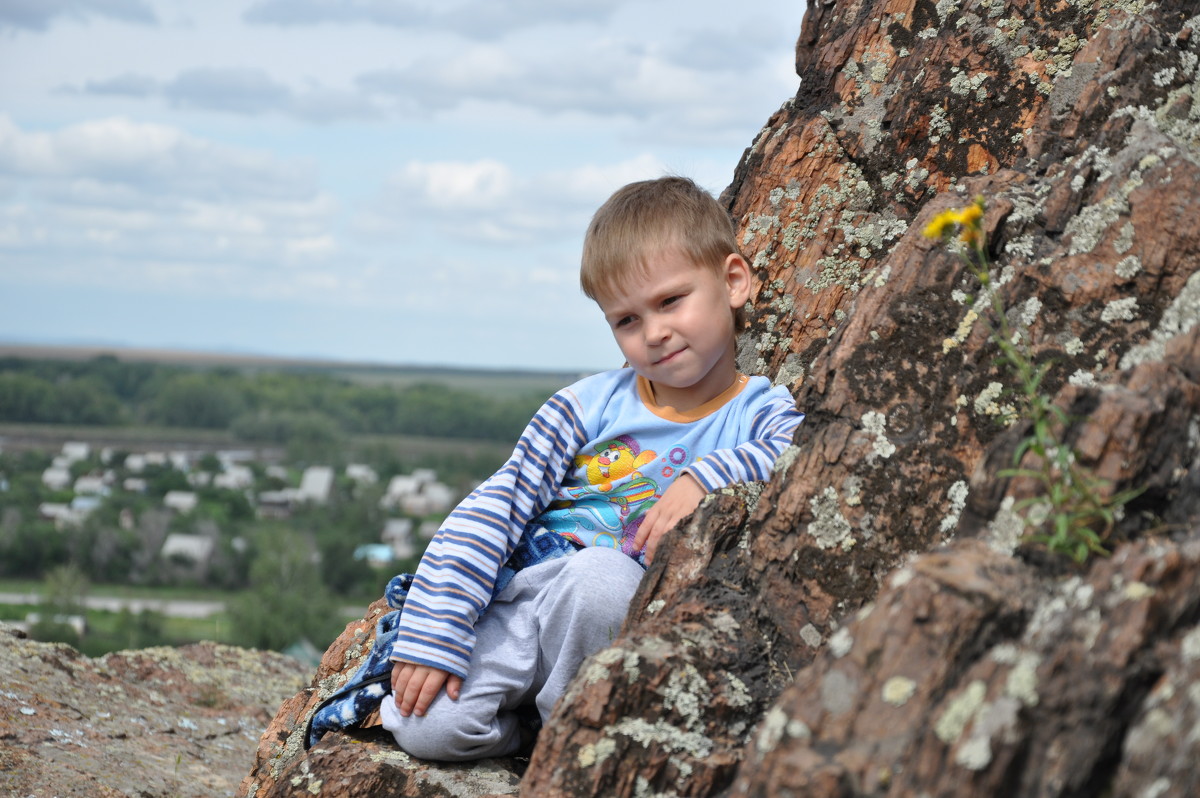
391 181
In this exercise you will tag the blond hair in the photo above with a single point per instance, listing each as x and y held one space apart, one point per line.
643 220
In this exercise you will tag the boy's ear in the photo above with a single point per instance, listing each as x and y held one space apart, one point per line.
737 280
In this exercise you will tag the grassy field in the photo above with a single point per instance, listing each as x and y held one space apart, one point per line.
50 438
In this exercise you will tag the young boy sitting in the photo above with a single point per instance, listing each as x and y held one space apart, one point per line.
534 571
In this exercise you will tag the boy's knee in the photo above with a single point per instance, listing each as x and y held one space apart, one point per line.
445 736
600 582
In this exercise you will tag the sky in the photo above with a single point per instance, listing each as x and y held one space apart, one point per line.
399 182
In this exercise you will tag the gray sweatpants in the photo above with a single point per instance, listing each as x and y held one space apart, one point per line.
529 644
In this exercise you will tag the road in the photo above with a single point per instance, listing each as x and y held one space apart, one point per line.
174 608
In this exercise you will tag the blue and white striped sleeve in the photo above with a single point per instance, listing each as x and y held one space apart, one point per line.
771 432
455 579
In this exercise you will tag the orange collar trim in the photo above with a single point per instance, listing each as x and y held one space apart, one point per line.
646 394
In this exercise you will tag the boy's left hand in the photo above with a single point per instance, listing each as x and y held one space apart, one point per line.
678 500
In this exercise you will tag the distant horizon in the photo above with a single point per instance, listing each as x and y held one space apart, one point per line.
86 350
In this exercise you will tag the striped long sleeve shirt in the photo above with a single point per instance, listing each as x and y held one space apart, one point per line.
591 462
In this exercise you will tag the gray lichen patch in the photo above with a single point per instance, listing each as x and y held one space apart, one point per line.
1189 647
841 643
1087 228
838 692
1022 680
829 528
664 735
686 693
1005 531
960 712
957 495
874 423
897 690
1179 318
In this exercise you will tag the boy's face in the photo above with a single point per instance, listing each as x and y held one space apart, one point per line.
674 324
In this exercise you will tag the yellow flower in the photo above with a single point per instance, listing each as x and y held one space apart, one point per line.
937 228
965 220
970 215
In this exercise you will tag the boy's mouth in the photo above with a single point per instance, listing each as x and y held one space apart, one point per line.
667 358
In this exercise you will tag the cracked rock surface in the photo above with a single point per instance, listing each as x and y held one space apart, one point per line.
169 722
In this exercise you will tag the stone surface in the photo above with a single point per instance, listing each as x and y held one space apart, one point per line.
365 762
867 624
177 723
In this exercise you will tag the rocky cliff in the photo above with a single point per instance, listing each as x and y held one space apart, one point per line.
157 723
869 623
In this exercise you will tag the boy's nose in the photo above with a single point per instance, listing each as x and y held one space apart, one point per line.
655 330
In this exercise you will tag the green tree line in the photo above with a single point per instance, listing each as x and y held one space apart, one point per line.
268 406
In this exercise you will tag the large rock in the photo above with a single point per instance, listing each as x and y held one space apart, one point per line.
361 763
158 723
760 655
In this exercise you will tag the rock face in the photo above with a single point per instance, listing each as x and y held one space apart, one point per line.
161 722
869 625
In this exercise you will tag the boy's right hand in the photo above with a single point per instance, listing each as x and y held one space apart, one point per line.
415 687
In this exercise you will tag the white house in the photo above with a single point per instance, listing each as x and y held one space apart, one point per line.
135 463
63 515
54 511
276 503
362 474
428 529
75 451
91 486
182 501
200 479
56 478
398 487
316 484
196 548
397 533
418 493
235 477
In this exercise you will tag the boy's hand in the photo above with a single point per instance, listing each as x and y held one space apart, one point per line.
678 500
415 687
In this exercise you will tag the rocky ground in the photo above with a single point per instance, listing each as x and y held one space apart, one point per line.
170 722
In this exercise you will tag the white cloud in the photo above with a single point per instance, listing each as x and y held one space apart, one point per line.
235 89
37 15
605 79
113 201
246 91
117 154
488 202
480 19
463 186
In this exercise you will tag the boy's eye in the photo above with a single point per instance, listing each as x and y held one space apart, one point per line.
624 321
671 300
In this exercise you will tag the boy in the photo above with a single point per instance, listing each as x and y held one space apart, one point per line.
534 571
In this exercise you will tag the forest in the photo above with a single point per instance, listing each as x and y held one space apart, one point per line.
257 405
